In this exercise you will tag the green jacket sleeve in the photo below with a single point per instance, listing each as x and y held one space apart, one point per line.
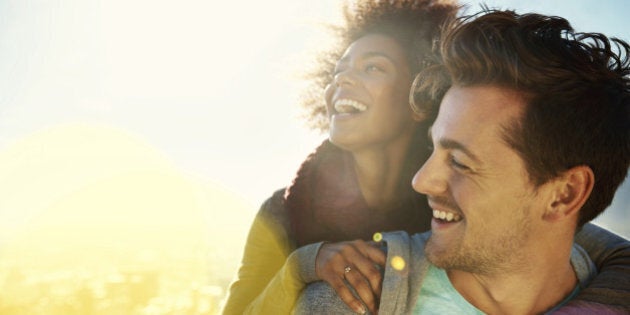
269 278
610 290
280 295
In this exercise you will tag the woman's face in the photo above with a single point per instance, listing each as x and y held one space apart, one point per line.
368 100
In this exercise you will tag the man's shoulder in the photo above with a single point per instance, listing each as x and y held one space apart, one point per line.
401 240
404 269
402 245
583 265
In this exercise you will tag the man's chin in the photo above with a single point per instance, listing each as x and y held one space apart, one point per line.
446 255
438 255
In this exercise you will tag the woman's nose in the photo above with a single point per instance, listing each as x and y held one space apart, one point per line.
345 77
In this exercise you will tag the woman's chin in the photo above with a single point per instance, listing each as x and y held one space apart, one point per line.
344 141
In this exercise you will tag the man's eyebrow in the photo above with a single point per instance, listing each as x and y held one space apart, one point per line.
450 144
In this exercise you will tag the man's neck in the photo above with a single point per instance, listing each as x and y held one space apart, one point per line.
539 288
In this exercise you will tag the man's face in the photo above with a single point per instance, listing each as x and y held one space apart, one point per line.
484 207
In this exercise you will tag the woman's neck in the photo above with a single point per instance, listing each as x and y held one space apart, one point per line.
378 173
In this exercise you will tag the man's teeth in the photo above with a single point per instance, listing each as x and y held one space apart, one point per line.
446 216
349 106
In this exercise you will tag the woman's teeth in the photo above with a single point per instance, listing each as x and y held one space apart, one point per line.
344 105
446 216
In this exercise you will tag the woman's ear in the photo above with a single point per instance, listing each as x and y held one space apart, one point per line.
570 193
418 116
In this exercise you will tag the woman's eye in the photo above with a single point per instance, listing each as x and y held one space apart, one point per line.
372 68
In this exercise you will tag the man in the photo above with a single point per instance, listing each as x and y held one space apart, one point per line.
531 141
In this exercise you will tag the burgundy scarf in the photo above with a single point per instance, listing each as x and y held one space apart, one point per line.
325 203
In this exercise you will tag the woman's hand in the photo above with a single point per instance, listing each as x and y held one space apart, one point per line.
354 262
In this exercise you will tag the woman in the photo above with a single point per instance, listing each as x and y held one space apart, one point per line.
357 182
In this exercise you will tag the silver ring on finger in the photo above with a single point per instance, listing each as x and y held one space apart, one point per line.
346 270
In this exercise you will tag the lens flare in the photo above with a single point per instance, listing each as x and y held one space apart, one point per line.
377 237
398 263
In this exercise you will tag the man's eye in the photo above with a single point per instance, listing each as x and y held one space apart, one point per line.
457 164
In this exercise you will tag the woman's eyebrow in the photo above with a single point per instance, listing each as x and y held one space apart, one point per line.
369 54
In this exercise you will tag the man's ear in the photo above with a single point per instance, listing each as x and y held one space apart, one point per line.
570 192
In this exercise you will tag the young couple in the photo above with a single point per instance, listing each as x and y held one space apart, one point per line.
530 143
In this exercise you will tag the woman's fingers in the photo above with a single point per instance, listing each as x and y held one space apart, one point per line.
369 270
375 253
347 297
355 262
368 282
335 274
363 288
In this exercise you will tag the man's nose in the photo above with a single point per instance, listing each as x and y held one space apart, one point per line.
430 179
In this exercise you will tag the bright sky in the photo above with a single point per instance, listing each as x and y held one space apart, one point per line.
95 90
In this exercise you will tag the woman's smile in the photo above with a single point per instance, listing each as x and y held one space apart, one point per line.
368 100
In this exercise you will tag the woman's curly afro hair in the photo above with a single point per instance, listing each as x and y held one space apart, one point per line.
415 24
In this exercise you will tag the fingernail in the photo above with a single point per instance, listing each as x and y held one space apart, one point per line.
360 309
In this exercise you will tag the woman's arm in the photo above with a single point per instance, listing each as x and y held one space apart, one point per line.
269 279
281 293
610 290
